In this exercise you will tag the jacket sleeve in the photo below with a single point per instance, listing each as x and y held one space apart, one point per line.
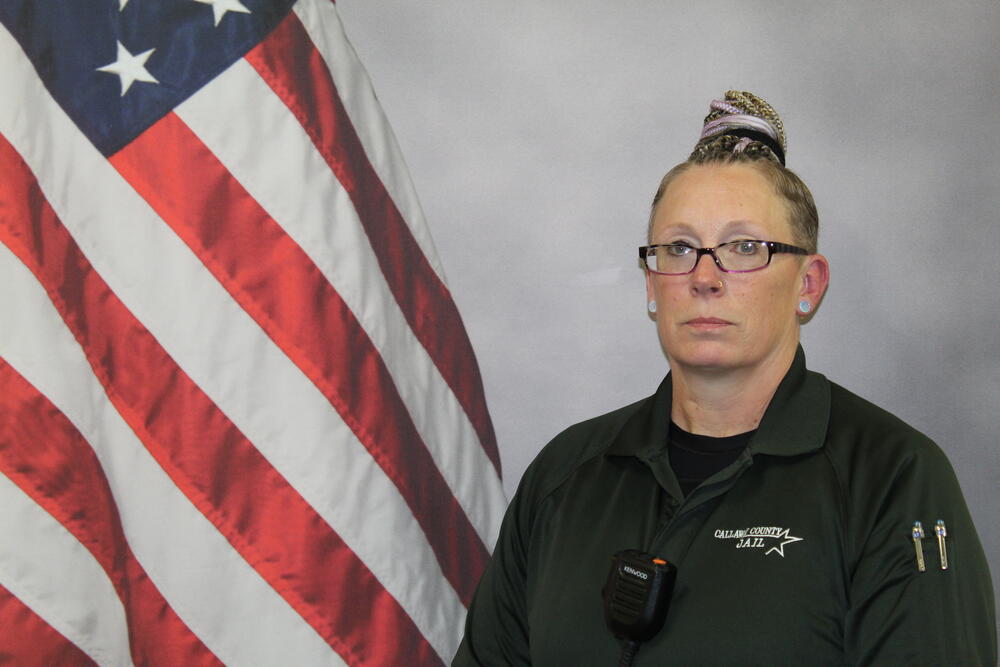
898 614
496 628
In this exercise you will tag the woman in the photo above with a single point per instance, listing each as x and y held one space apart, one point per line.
787 504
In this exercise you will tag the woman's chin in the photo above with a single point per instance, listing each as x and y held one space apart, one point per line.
705 358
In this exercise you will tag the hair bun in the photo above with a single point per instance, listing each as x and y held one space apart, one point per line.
741 124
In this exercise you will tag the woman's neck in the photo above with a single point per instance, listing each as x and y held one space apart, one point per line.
725 402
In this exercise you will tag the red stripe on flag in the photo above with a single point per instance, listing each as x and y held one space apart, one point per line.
43 453
26 639
273 279
209 459
290 64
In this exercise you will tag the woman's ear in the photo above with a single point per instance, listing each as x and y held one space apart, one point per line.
650 297
815 280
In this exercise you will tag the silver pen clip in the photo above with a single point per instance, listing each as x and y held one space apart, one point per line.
918 534
942 533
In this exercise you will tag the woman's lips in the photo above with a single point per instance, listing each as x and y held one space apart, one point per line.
707 323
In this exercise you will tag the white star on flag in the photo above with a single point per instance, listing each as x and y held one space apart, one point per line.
130 68
220 7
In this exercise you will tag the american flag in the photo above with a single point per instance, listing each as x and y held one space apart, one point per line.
240 419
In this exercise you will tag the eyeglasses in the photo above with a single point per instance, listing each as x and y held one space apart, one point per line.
676 259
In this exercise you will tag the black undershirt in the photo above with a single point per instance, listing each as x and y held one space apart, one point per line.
694 458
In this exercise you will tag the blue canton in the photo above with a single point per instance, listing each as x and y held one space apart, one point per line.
176 46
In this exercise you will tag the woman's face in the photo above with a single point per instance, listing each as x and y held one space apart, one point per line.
710 319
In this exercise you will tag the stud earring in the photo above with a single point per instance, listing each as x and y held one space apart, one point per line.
651 306
804 307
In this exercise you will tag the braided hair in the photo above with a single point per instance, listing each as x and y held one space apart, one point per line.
742 123
745 129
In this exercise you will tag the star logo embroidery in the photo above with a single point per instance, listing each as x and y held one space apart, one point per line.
786 539
760 537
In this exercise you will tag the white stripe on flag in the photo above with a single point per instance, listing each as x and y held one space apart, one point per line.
319 217
322 22
45 567
206 582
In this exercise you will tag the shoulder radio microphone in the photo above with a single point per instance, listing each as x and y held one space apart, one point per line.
636 598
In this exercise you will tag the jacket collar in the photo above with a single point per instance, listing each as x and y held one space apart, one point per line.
794 423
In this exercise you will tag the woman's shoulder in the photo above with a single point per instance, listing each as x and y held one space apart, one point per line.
863 436
851 414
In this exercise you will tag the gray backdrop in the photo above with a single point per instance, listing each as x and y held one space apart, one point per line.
536 133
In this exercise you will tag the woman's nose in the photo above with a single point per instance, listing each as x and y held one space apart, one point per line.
706 279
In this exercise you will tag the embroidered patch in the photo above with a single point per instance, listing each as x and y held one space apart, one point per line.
772 538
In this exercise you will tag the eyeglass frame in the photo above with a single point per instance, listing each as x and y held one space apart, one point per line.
772 248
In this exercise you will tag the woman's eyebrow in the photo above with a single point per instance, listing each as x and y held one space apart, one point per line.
742 226
730 227
675 228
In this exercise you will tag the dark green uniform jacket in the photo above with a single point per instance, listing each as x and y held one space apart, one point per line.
799 553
